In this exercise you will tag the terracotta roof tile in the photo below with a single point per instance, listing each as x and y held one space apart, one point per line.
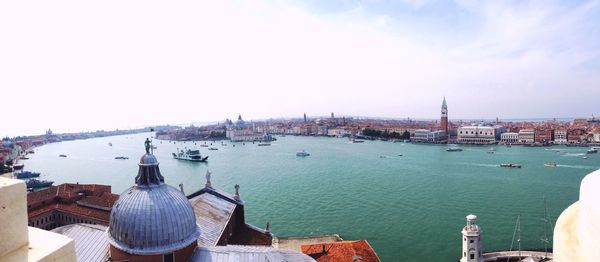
359 250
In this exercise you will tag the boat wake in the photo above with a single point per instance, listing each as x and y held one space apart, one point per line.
578 166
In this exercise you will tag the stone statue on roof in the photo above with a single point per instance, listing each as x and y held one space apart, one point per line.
148 145
208 184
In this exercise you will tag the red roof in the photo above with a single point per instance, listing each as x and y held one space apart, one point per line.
92 200
359 250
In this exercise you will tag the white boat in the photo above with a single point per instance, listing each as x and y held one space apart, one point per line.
302 153
190 155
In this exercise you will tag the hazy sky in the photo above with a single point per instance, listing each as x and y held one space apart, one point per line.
87 65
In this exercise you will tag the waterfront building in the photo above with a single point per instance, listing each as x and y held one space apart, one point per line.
596 135
578 227
527 136
69 204
338 132
444 117
477 134
576 135
471 241
543 135
421 135
560 136
509 138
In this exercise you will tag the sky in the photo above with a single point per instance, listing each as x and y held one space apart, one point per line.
89 65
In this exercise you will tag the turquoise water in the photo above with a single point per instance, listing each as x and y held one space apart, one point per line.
409 208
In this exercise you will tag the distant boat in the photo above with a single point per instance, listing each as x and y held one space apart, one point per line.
30 152
357 141
585 157
121 157
510 165
551 164
24 157
18 166
204 145
27 174
109 144
302 153
213 148
454 149
264 144
592 151
34 183
190 155
62 155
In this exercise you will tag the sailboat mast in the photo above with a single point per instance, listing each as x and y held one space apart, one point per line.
545 239
519 230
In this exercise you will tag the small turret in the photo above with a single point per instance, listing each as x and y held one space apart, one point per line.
471 233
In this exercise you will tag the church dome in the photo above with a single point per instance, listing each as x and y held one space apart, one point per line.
152 217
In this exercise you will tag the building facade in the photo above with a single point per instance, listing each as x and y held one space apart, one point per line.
509 138
476 135
560 136
527 136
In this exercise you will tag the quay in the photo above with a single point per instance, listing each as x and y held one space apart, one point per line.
516 256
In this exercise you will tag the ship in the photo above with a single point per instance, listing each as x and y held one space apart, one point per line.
592 151
302 153
510 165
27 174
264 144
34 183
121 157
190 155
551 164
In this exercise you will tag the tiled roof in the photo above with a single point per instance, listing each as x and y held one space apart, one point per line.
246 253
93 201
341 251
91 241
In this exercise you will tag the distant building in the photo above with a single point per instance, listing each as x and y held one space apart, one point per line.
543 135
576 135
509 138
359 250
527 136
596 136
560 136
421 135
426 136
476 134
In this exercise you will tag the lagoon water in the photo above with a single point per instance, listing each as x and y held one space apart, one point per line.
410 207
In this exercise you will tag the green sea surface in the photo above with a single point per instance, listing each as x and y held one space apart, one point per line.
408 200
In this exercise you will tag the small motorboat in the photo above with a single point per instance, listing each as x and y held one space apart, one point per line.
585 157
592 151
510 165
61 155
302 153
551 164
121 157
213 148
264 144
454 149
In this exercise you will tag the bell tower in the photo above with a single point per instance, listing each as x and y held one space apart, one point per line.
471 234
444 118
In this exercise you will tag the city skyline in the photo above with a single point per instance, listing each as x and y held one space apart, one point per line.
75 66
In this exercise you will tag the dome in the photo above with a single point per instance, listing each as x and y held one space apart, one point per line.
152 217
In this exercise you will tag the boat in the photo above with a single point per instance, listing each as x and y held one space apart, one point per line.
510 165
62 155
121 157
18 166
490 152
30 152
213 148
204 145
264 144
592 151
190 155
585 157
357 141
302 153
34 183
24 157
109 144
454 149
27 174
551 164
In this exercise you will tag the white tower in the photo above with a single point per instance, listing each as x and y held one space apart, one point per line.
471 241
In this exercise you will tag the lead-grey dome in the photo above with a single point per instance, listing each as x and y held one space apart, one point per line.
152 217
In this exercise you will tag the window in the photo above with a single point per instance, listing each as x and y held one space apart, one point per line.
169 258
472 256
471 241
